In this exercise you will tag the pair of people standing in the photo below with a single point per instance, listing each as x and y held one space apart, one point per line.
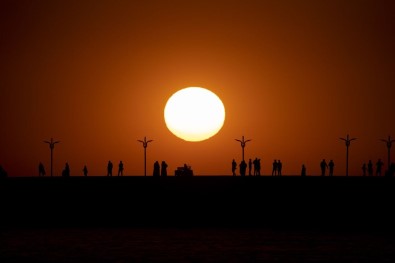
277 168
324 166
160 170
110 166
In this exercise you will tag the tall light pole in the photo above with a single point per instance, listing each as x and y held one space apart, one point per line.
389 144
145 145
348 142
243 144
52 146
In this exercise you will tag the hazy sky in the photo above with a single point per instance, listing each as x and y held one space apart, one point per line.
294 76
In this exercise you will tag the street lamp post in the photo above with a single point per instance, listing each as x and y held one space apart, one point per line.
389 144
145 145
243 144
348 142
52 146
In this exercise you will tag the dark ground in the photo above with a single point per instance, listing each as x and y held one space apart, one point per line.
197 219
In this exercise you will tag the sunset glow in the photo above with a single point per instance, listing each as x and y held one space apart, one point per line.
194 114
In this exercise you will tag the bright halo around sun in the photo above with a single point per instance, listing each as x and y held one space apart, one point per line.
194 114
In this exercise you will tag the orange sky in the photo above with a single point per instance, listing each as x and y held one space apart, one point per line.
294 77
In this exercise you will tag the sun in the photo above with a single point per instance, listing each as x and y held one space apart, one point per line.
194 114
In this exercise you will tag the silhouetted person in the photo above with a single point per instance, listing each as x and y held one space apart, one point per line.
379 166
279 168
331 165
303 172
163 169
109 168
364 169
243 168
258 162
156 172
85 170
3 173
120 168
41 169
66 171
249 167
255 163
274 170
370 168
323 166
234 166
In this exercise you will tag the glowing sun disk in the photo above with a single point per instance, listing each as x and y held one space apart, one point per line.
194 114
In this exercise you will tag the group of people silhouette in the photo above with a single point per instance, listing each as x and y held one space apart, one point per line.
160 169
277 168
379 166
110 167
324 166
256 163
254 168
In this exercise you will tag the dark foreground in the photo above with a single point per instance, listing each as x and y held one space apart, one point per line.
283 202
198 219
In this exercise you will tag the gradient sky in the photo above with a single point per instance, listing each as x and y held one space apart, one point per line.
294 76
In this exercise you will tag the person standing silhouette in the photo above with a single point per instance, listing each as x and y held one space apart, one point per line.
120 168
85 170
331 165
259 167
255 163
156 172
243 168
303 172
164 169
41 169
323 165
234 166
249 167
364 169
279 168
66 171
109 168
274 170
370 168
379 166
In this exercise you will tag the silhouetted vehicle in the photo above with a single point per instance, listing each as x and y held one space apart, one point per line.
183 171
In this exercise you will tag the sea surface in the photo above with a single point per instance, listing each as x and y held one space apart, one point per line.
151 244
